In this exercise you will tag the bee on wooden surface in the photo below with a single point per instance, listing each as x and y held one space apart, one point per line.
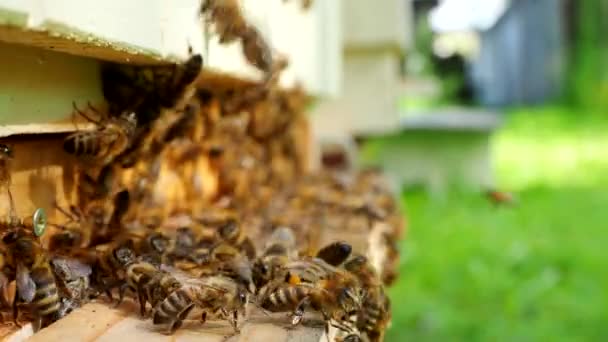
149 283
232 263
347 329
73 282
6 159
109 262
215 295
111 138
147 89
334 292
279 250
36 285
374 316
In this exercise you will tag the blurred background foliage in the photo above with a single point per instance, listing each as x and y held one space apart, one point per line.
532 272
535 271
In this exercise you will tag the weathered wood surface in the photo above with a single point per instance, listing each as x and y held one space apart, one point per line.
99 322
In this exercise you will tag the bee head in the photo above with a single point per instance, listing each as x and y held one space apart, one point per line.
124 255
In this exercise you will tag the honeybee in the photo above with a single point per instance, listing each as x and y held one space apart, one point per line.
334 292
215 295
256 50
36 285
279 250
233 234
147 89
227 18
109 263
230 25
335 253
111 138
230 262
150 283
500 198
374 316
73 281
6 158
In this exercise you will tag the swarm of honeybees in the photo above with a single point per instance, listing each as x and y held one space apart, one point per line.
173 183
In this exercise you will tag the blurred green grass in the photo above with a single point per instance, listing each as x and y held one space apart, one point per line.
534 272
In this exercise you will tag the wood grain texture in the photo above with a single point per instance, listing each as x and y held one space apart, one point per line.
97 321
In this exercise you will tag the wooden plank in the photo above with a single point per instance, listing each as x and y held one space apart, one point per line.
94 47
97 321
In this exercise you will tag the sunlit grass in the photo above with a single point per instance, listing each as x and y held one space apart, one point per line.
534 272
549 146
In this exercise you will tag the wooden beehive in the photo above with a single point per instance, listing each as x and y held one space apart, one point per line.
53 62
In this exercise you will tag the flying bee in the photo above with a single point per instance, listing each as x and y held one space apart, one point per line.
374 316
233 234
306 4
226 17
279 250
36 285
230 25
256 50
500 198
111 138
6 159
215 295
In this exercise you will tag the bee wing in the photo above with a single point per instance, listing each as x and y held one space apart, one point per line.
25 284
75 267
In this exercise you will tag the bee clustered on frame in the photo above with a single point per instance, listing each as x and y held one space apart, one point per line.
174 181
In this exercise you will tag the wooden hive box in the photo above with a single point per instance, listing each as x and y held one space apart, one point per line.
50 53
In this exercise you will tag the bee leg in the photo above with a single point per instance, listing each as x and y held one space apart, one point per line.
142 302
298 312
204 317
37 324
121 294
234 321
16 314
174 326
180 319
11 202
